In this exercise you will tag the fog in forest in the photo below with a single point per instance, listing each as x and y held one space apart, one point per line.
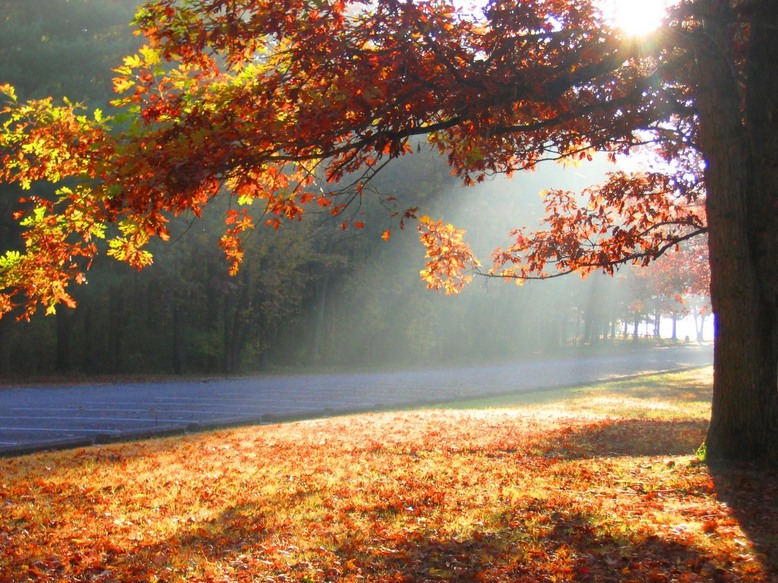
310 296
396 320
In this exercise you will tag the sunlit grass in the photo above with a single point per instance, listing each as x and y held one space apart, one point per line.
591 484
666 395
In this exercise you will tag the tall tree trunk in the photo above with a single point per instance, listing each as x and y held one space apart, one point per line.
699 326
213 286
64 328
179 336
8 332
577 331
741 184
237 321
321 310
90 349
115 328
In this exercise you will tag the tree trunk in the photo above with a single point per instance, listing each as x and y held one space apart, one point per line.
740 179
115 329
321 307
179 337
64 329
8 332
699 326
236 322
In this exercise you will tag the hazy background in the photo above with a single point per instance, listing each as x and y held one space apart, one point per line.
310 294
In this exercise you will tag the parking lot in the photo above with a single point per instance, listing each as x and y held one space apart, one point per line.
50 417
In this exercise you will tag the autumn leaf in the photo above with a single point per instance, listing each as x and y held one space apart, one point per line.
449 257
581 484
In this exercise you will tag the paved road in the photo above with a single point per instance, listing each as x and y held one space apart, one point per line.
38 418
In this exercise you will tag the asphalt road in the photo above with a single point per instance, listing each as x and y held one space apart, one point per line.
40 418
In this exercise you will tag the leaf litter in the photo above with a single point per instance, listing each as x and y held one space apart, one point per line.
572 487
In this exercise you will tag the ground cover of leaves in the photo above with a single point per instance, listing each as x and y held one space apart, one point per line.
588 484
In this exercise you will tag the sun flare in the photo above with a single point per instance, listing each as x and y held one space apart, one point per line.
635 17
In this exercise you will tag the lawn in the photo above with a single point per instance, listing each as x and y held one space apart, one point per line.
584 484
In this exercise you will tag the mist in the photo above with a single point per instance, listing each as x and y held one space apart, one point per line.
382 315
310 295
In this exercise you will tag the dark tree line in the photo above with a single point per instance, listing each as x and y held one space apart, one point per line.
307 294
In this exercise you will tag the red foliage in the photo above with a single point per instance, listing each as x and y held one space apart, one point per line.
272 100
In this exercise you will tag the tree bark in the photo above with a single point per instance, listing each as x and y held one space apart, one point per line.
321 309
740 183
699 327
179 336
115 329
236 322
64 329
7 337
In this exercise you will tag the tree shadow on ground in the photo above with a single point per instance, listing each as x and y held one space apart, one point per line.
568 548
690 385
752 495
523 540
628 437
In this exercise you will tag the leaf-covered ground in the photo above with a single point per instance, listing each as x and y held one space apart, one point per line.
594 484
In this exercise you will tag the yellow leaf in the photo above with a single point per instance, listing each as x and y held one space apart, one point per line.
121 84
133 61
8 91
150 55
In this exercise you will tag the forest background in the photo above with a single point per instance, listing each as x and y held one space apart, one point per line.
309 294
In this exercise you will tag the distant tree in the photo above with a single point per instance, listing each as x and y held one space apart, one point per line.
679 278
57 47
264 97
64 47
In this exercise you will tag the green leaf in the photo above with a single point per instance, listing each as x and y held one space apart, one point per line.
36 217
10 259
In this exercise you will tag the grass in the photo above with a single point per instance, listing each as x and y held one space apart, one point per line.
588 484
